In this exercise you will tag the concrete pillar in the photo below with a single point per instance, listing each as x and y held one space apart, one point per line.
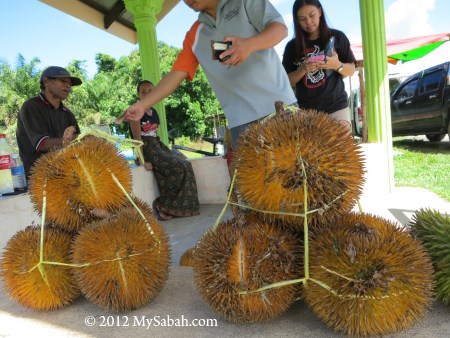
377 85
145 12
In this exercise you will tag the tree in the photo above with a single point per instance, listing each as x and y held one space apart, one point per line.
188 107
104 97
16 86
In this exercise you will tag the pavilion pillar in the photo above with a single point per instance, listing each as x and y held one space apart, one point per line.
377 85
145 12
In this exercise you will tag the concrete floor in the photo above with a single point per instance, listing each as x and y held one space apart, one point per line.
179 300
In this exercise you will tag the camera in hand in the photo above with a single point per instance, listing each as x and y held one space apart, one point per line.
218 48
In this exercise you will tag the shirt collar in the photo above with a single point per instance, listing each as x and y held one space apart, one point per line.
48 104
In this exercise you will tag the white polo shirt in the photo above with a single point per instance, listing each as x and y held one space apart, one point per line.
246 92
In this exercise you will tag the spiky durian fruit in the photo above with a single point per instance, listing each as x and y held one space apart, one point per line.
375 278
127 260
245 255
186 258
433 229
78 179
44 287
272 154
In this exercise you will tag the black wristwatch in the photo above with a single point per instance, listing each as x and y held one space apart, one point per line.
340 68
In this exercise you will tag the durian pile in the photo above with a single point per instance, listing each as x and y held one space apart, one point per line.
96 238
298 176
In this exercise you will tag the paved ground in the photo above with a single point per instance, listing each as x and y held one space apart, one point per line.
179 300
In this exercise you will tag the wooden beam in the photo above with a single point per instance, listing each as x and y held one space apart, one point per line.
114 13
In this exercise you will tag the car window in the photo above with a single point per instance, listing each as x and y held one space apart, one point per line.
407 91
448 77
431 81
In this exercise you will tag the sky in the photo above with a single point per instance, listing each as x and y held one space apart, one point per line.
34 29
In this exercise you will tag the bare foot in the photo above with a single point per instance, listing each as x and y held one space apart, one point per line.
165 216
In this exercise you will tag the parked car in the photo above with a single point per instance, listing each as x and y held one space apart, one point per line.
355 103
421 104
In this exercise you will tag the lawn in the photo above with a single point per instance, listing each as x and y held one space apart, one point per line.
423 164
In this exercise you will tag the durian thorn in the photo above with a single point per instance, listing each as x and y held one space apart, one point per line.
274 285
219 218
122 271
88 177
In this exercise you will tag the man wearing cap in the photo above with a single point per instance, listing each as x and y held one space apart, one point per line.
44 123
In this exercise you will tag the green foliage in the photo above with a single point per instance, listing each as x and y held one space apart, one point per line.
188 106
16 86
112 89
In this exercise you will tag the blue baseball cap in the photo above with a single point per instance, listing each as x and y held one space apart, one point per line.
55 71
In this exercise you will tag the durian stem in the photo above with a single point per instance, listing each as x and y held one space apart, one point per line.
274 285
305 224
122 271
227 201
350 296
134 204
135 144
41 247
44 207
337 274
93 263
288 213
359 206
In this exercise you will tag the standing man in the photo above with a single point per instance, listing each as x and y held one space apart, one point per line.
247 75
44 123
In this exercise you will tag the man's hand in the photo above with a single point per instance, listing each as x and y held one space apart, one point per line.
238 52
68 136
133 113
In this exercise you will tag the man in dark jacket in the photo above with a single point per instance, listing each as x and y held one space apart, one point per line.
44 123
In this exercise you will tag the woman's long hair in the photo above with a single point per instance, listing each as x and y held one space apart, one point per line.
300 35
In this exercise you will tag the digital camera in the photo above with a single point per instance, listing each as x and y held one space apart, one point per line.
218 47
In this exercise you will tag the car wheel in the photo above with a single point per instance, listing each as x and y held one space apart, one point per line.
435 138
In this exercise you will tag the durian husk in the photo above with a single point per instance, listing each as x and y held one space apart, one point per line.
271 157
186 258
433 229
46 288
377 277
78 179
245 255
127 259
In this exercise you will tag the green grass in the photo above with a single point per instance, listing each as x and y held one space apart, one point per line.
423 164
200 145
